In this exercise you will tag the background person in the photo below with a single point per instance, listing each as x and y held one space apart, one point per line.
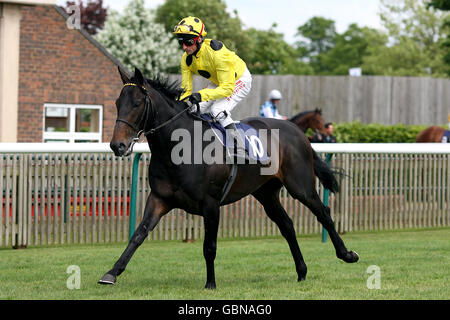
328 137
269 108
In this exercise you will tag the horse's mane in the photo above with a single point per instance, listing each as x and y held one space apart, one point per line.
171 90
301 114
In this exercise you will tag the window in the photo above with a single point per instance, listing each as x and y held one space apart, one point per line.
72 123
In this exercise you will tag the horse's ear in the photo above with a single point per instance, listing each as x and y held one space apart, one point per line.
138 76
123 75
319 111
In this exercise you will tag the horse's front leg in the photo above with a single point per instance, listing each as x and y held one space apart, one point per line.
155 208
211 212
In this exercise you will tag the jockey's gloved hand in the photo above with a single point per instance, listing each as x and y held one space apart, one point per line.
195 98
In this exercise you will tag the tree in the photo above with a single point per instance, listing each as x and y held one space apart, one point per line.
320 35
405 58
350 48
444 5
272 55
416 33
440 4
92 14
137 41
412 19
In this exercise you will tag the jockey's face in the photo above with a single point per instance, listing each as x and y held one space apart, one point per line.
190 49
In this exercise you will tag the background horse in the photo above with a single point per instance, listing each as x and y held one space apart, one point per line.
153 107
431 134
310 119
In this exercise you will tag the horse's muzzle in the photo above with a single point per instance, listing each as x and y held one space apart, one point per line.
119 148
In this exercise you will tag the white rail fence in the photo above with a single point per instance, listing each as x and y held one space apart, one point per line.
80 193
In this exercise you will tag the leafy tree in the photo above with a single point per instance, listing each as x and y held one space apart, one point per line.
405 58
415 43
137 41
444 5
416 37
270 54
412 19
320 35
349 49
440 4
92 14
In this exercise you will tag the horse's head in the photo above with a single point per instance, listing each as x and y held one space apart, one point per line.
310 119
132 107
316 121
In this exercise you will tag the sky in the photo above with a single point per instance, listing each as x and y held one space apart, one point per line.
289 14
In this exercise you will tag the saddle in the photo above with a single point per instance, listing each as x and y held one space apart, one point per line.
253 145
255 148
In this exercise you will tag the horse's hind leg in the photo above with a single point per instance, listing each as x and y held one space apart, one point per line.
268 196
154 210
312 200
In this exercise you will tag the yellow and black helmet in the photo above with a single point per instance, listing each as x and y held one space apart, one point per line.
190 26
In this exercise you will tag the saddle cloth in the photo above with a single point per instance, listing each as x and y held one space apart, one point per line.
253 144
446 137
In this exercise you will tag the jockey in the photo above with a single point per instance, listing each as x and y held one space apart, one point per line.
269 108
230 79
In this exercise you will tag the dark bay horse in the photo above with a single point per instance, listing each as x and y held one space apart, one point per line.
152 107
431 134
310 119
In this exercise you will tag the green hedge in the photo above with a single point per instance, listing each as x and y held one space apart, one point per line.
356 132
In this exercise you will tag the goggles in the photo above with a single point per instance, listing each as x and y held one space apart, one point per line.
187 42
182 28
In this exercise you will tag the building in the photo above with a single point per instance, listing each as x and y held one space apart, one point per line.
56 82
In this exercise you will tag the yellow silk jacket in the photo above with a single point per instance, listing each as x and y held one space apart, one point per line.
216 63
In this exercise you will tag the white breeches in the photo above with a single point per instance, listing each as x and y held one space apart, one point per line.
216 107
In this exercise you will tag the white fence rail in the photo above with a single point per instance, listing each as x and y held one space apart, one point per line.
79 193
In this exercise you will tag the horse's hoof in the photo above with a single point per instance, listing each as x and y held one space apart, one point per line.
351 257
210 286
107 279
301 273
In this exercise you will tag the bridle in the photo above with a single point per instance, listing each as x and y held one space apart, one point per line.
147 109
144 118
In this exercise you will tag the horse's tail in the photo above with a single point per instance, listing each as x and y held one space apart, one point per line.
325 174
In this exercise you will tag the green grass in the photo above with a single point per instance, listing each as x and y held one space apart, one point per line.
414 264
